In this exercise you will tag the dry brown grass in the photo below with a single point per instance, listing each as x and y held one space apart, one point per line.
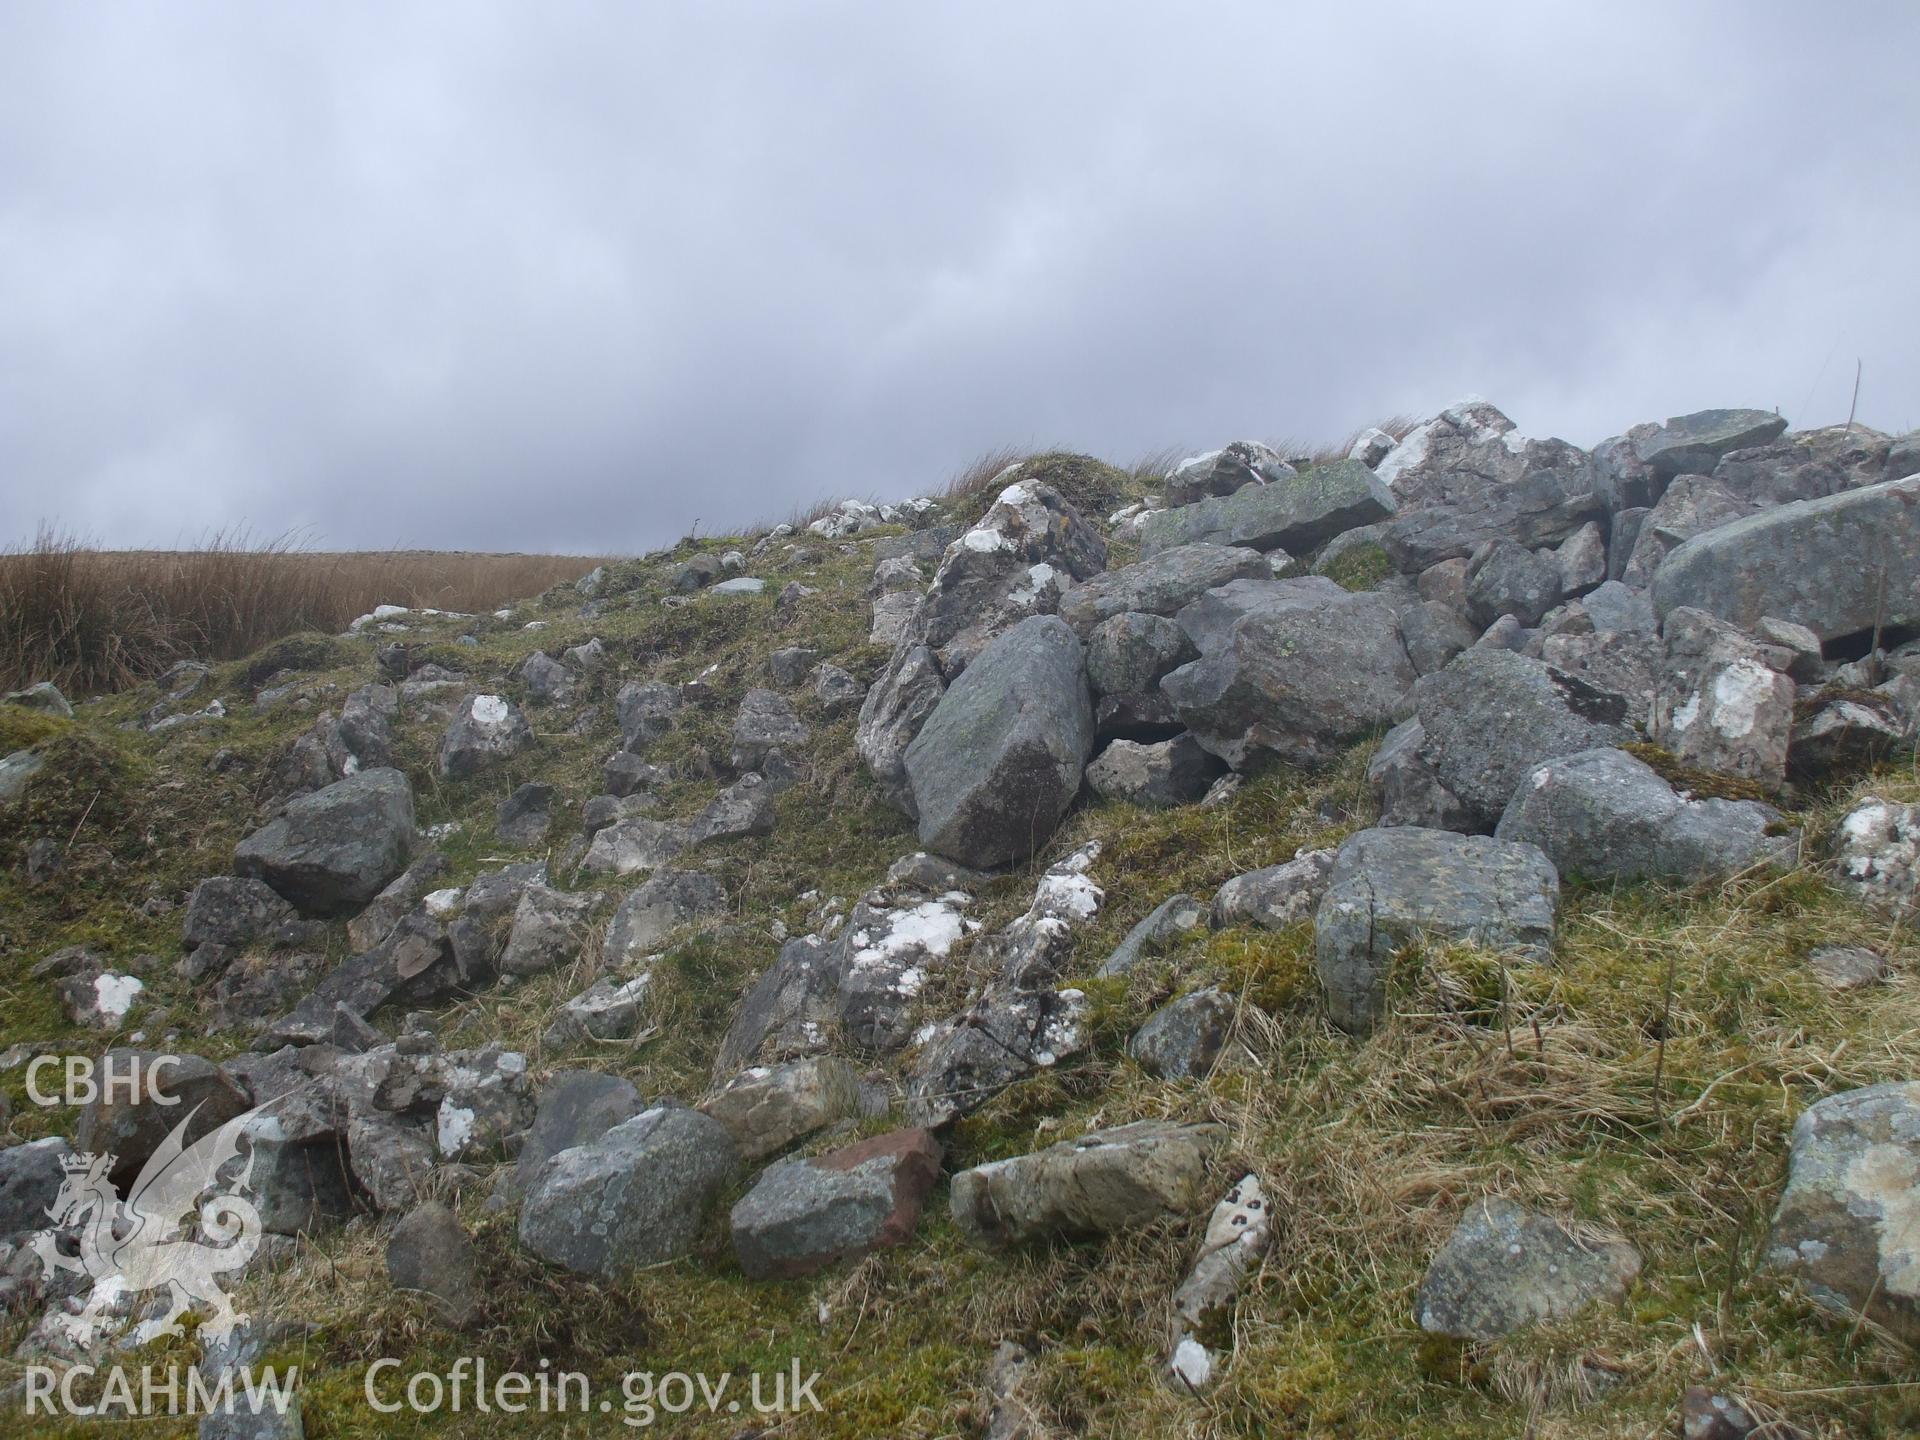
977 476
92 620
1321 454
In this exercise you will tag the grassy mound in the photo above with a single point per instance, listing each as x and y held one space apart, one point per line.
1646 1080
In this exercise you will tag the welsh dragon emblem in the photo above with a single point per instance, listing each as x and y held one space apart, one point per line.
178 1228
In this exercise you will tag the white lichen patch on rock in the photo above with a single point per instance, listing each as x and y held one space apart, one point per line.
1879 854
1848 1226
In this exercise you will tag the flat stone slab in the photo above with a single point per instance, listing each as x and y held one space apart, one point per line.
1506 1268
1105 1181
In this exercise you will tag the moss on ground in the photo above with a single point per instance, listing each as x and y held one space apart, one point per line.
1360 567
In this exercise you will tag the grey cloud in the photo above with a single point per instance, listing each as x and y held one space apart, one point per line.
571 276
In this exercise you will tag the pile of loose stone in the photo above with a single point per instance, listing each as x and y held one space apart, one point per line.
1745 599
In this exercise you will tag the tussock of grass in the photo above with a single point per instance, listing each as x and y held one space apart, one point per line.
974 480
1322 453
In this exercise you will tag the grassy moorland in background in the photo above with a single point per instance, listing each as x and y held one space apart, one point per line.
95 620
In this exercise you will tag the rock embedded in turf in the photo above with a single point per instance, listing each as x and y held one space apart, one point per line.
804 1215
1505 1268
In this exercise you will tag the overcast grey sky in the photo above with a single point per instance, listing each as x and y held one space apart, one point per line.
570 275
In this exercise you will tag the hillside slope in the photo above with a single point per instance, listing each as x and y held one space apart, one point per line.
1568 1058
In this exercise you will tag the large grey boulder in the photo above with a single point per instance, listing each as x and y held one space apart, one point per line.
1027 551
1809 464
1877 856
484 731
806 1214
649 914
1692 505
1002 1039
1299 668
551 928
1837 565
331 852
1223 471
575 1107
1693 444
1182 1039
1492 715
1389 887
1104 1182
1542 508
766 722
1130 652
1466 450
1162 584
31 1175
1000 759
1276 896
1508 579
1844 1229
1407 786
1467 477
230 911
897 705
646 711
1295 513
635 1197
1157 776
767 1107
1604 815
1505 1268
1719 703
